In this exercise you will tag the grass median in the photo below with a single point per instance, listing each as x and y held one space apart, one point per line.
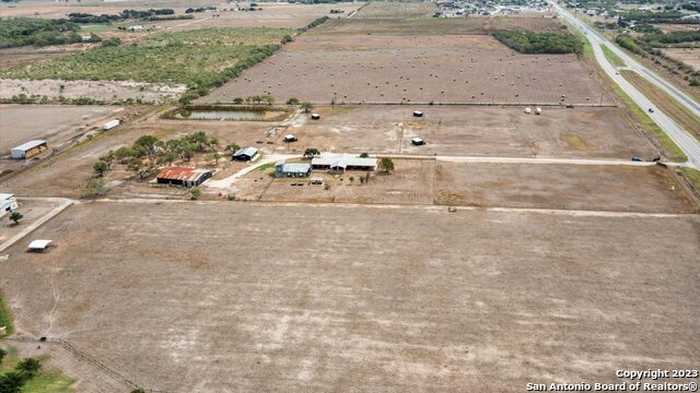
612 57
682 116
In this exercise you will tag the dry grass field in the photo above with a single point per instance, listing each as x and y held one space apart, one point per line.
578 187
471 130
434 26
213 297
382 9
325 67
617 188
56 123
472 267
689 56
271 15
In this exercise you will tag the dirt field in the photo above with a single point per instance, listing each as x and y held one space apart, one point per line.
544 186
578 187
469 130
377 299
271 15
668 28
56 123
357 68
435 26
394 9
688 56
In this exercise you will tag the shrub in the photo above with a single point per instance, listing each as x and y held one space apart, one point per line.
195 193
386 165
15 217
28 367
110 42
311 153
286 39
100 167
94 188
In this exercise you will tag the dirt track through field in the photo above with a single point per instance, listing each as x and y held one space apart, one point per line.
360 305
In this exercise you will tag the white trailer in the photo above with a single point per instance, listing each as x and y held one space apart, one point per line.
8 204
110 124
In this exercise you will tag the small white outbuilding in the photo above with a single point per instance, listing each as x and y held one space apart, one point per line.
39 245
111 124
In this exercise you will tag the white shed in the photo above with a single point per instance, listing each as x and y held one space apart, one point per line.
110 124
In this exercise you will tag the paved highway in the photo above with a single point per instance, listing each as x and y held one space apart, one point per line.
687 143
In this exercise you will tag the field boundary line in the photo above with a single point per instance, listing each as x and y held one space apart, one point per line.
434 207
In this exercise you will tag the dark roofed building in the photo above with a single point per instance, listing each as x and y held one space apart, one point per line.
183 176
245 154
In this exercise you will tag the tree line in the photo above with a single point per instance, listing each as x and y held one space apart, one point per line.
15 32
532 43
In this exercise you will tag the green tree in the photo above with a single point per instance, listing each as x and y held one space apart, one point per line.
232 147
3 353
11 382
15 217
94 188
29 366
101 168
306 106
311 152
114 41
293 101
146 145
386 165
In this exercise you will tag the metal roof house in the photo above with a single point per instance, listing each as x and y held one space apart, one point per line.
183 176
343 162
8 204
283 169
29 149
245 154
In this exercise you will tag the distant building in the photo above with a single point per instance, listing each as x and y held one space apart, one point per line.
283 169
343 162
183 176
245 154
29 149
8 204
